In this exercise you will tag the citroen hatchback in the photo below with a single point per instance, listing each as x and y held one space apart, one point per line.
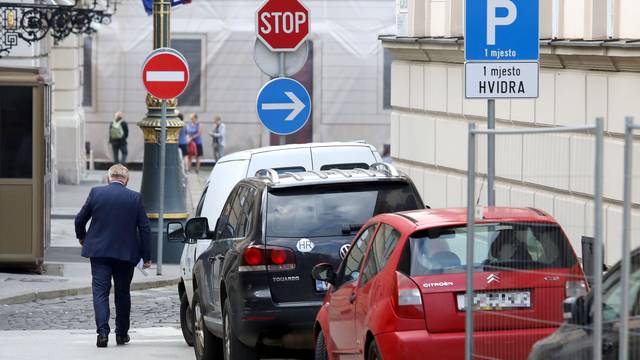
400 292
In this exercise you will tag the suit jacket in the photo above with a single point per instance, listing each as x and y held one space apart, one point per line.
119 225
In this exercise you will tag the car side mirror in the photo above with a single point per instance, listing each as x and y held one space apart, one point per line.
574 310
198 228
175 232
324 272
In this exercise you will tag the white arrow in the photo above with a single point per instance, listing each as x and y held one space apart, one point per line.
296 106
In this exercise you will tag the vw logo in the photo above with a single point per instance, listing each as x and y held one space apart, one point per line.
493 278
344 249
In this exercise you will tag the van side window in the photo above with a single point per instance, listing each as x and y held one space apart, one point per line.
201 202
381 249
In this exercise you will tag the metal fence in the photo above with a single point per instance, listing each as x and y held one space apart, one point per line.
519 302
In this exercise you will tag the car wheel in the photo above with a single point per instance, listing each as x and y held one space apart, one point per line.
374 352
321 347
206 345
232 346
186 319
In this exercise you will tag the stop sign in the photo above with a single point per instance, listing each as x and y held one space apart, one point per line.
165 73
282 25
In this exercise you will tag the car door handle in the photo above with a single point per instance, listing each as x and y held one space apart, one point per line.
211 259
352 298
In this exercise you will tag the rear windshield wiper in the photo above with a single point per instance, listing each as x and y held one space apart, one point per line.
349 228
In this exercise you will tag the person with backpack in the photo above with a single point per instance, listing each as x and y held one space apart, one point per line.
118 133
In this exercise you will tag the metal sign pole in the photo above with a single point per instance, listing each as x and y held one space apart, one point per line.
597 242
281 73
491 153
163 136
471 187
626 240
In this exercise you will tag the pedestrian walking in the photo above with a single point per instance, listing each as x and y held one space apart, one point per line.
117 240
386 153
194 133
183 143
218 134
118 133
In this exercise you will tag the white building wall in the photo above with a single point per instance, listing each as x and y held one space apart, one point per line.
348 71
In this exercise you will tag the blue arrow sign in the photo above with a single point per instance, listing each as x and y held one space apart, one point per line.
501 30
283 106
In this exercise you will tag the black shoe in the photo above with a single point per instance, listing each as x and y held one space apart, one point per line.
121 340
102 341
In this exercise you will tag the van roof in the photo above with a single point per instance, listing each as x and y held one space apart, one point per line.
428 218
247 154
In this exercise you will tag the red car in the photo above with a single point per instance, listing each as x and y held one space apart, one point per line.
399 293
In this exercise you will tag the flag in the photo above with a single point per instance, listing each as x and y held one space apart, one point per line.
148 4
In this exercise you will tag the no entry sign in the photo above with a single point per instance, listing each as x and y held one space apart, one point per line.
165 73
282 25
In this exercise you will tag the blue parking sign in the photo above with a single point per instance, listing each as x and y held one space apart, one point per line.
502 30
283 106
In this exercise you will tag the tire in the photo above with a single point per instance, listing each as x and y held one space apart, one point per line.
374 352
321 347
186 320
206 345
233 348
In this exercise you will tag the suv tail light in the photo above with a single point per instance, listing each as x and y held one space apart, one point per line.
575 288
407 298
261 258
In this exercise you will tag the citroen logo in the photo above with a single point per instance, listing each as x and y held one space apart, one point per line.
493 278
344 249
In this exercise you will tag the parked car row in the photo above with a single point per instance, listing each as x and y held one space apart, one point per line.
271 262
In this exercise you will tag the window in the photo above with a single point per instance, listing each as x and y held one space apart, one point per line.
222 226
332 210
383 245
351 265
345 166
192 50
501 246
201 202
244 224
386 79
87 72
612 294
16 131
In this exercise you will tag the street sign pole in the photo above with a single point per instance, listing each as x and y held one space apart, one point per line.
163 154
281 71
491 153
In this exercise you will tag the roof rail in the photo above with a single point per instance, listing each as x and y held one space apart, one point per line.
366 172
320 174
293 175
384 167
269 174
338 171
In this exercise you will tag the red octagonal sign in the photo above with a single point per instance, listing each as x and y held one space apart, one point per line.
282 25
165 73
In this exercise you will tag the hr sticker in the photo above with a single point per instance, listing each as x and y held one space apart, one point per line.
305 245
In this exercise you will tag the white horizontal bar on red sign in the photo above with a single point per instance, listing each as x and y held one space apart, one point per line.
165 76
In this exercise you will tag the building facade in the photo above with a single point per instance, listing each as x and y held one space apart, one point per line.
582 77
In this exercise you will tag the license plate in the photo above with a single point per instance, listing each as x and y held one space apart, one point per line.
322 285
497 300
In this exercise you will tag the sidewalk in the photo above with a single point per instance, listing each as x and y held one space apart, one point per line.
66 272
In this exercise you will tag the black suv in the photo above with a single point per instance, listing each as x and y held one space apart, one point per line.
253 288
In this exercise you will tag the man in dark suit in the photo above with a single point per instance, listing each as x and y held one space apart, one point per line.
117 239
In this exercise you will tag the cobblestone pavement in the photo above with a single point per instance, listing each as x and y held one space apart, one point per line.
149 308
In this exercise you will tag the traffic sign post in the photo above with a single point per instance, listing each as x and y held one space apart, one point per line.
165 75
501 47
283 106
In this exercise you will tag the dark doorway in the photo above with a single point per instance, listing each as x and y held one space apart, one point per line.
305 77
16 105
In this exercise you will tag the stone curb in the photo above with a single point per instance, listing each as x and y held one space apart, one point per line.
53 294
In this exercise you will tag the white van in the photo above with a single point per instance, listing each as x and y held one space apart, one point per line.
234 167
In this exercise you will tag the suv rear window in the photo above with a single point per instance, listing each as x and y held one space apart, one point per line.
497 246
335 209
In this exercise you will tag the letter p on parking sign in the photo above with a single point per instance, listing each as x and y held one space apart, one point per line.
501 30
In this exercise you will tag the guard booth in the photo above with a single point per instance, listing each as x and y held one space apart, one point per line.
25 167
